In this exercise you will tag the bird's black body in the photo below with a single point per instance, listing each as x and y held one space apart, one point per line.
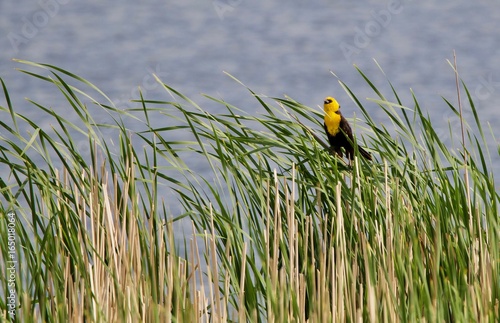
344 139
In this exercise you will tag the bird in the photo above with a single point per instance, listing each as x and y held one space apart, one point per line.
339 131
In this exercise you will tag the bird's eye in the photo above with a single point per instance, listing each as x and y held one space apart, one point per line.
328 101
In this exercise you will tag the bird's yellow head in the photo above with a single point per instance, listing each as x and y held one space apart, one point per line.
332 115
331 105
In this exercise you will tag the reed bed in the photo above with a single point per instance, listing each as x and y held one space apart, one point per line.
280 230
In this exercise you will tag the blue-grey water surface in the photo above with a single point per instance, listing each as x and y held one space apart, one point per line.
273 47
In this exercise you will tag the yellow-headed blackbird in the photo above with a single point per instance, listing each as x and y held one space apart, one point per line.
339 132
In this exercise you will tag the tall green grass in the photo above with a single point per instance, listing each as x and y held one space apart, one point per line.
280 229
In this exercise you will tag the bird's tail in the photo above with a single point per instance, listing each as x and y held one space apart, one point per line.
364 153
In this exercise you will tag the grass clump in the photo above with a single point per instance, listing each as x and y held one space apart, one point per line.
281 230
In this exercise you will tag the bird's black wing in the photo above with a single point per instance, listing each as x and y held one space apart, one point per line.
346 128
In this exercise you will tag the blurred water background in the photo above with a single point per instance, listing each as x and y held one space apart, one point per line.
276 48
